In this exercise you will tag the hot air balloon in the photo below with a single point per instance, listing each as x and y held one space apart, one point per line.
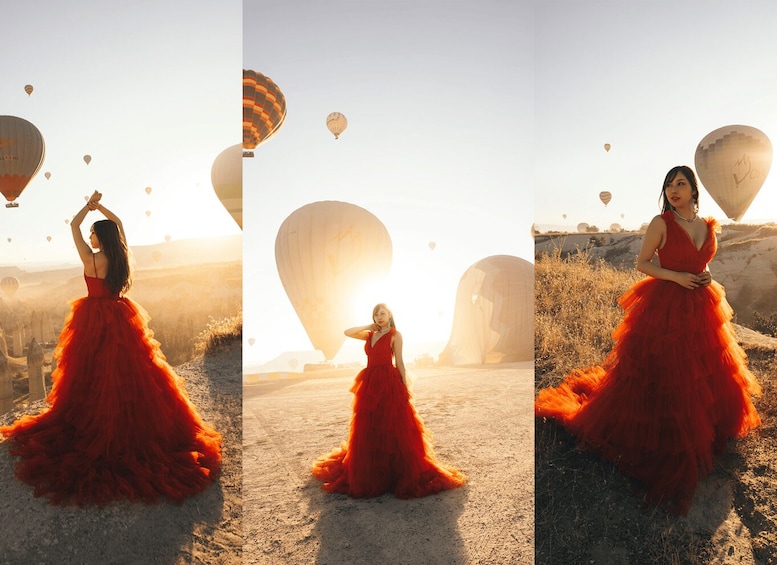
48 238
623 215
87 159
264 108
494 317
148 190
605 197
226 175
9 240
251 341
9 286
67 221
732 163
21 155
167 237
148 213
326 253
336 123
607 147
28 89
564 216
615 227
432 245
582 227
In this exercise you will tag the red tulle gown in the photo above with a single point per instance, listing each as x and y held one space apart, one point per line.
119 424
388 448
675 386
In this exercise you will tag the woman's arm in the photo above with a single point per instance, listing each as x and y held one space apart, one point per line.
396 345
361 332
655 237
84 250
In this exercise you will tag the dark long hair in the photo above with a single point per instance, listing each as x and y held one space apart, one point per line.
391 315
688 172
118 279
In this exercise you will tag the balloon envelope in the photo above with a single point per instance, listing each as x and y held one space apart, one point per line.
327 253
582 227
732 163
148 190
336 123
264 108
226 176
607 147
494 317
605 196
22 151
87 159
9 285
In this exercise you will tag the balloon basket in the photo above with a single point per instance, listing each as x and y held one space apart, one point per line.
12 205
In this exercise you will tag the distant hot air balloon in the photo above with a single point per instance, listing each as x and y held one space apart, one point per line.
28 89
251 341
9 286
47 175
9 240
615 227
732 163
564 216
264 108
148 213
432 245
167 237
67 221
607 147
582 227
226 175
148 190
48 238
327 253
494 316
22 151
87 159
605 196
623 215
336 123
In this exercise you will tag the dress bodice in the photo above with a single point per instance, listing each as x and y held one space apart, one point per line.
679 252
97 288
380 353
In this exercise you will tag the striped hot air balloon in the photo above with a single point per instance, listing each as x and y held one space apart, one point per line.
21 155
264 109
605 196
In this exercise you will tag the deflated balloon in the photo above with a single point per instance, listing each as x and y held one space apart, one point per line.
732 163
605 196
494 317
226 176
264 108
336 123
327 253
22 151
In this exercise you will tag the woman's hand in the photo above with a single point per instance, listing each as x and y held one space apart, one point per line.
706 278
94 200
691 281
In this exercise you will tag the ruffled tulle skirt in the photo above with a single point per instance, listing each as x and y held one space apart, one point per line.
119 424
672 391
388 448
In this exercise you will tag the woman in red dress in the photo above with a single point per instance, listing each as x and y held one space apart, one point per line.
675 387
388 447
119 424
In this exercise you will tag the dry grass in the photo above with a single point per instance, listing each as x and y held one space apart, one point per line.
219 335
586 511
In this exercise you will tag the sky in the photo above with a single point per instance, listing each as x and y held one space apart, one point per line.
439 98
652 79
151 90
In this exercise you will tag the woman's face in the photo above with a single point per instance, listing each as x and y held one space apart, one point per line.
679 192
93 241
382 317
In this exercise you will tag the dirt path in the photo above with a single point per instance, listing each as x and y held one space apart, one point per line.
205 529
482 423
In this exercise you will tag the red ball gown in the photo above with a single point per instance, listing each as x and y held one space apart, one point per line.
674 388
388 449
119 424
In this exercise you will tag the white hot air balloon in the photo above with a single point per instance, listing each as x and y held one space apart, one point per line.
336 123
732 163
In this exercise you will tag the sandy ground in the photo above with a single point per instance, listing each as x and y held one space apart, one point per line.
483 423
204 529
